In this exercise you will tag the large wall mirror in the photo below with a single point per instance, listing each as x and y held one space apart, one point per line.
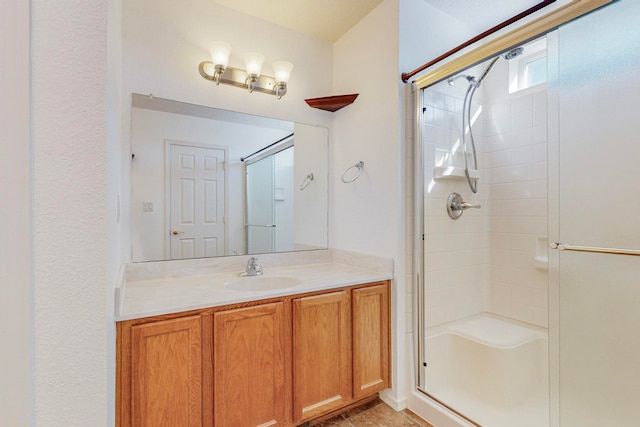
207 182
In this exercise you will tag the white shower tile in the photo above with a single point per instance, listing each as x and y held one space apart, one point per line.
522 260
438 100
539 134
498 142
427 115
427 98
501 114
522 311
439 117
499 241
539 188
502 207
540 152
434 243
522 155
408 322
521 242
518 190
539 171
522 172
540 298
522 112
498 158
540 317
449 103
458 105
484 261
520 138
540 109
434 316
500 296
522 294
429 133
500 275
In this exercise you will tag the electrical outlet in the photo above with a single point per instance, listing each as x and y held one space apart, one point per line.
147 206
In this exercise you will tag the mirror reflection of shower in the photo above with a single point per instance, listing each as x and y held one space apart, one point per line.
474 84
269 202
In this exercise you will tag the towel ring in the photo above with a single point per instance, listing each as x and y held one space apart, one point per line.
360 166
307 180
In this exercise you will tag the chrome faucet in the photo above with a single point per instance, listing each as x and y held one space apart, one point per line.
253 269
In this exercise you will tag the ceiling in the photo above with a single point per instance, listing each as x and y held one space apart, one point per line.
330 19
482 14
323 19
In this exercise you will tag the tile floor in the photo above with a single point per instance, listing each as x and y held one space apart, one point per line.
374 413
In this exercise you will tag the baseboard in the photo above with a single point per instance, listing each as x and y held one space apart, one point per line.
389 399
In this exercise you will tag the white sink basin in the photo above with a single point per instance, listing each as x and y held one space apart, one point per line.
262 283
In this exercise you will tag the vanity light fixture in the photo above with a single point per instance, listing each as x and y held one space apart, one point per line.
253 63
220 52
251 79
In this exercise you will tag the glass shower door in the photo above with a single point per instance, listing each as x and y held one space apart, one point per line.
260 206
599 172
270 203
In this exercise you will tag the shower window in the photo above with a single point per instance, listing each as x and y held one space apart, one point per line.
536 71
530 69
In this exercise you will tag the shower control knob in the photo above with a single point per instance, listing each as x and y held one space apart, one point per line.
455 206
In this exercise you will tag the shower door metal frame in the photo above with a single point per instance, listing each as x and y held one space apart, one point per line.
419 303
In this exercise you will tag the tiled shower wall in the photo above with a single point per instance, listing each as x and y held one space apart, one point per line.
454 285
491 259
515 172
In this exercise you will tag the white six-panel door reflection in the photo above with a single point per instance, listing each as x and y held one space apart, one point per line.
197 189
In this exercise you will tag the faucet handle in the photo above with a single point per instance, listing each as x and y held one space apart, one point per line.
253 269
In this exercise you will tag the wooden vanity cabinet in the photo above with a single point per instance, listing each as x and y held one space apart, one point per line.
370 319
340 349
249 366
321 354
160 381
277 362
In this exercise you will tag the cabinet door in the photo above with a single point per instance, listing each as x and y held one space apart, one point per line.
249 366
321 354
370 340
166 373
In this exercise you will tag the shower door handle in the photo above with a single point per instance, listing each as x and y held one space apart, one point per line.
615 251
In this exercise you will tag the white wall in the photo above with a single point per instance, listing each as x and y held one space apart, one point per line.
69 83
113 187
16 285
366 215
310 209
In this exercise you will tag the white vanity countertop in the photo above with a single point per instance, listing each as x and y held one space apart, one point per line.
154 296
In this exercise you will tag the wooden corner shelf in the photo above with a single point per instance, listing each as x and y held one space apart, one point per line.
332 103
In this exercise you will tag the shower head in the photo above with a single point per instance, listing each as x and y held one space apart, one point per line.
470 79
513 53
